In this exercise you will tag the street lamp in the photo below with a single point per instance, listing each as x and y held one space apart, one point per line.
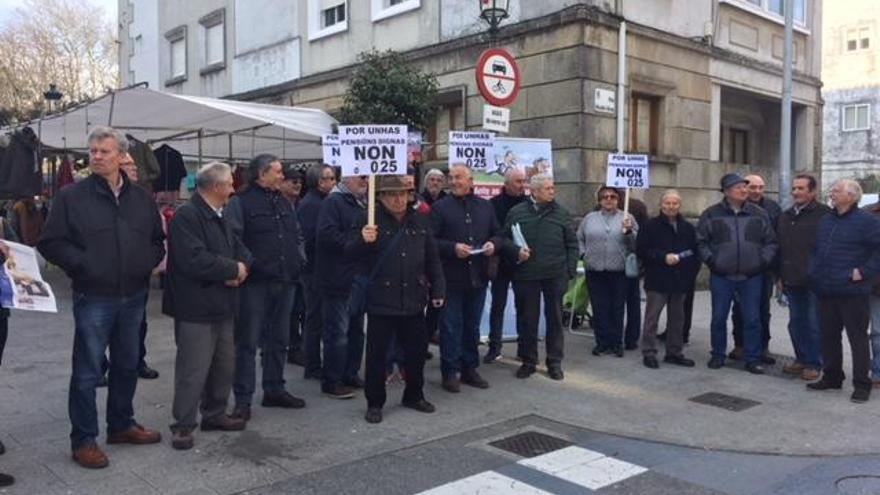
51 96
493 12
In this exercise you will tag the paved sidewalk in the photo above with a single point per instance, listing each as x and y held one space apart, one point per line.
609 395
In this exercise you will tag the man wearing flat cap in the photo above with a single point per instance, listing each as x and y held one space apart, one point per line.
737 242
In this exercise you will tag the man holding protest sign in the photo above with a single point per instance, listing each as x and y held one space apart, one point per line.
467 234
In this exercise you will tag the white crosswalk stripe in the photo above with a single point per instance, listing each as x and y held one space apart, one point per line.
486 483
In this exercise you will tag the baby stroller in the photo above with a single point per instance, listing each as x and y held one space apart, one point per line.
576 304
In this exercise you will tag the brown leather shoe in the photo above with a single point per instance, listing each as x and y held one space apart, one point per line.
137 435
223 423
810 374
794 368
90 456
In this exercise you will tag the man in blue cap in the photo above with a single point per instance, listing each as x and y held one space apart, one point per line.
737 243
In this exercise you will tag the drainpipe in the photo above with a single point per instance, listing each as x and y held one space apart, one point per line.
621 79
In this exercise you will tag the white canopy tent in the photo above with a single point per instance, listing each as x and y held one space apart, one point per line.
199 127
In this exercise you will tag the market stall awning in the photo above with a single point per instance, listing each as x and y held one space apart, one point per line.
212 128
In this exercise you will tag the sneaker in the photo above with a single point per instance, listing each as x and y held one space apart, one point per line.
860 395
182 439
420 405
555 373
824 385
525 371
223 422
354 382
491 356
241 412
373 415
284 399
794 368
338 391
91 456
472 378
715 363
451 385
736 354
810 374
680 361
755 368
650 362
135 435
147 373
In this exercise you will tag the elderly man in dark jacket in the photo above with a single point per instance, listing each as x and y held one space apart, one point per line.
544 267
463 224
105 233
667 245
320 180
512 194
205 265
343 328
400 254
797 230
737 243
266 224
843 267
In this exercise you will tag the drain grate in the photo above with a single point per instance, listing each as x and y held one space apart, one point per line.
530 444
724 401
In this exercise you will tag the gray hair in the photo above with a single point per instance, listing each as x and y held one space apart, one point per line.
260 164
851 187
668 193
461 165
314 173
538 181
101 133
212 173
436 171
511 172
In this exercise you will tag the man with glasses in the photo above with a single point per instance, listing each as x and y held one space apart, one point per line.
737 243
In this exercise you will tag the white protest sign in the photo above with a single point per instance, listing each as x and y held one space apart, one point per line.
21 284
373 149
627 171
474 149
496 118
330 148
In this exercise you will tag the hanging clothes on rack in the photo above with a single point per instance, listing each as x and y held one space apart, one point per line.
171 169
65 173
145 160
20 172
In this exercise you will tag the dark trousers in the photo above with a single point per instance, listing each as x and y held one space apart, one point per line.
527 297
852 313
500 287
432 321
4 330
748 291
688 316
343 338
297 318
607 298
766 295
633 312
264 322
102 322
461 330
313 325
654 305
411 336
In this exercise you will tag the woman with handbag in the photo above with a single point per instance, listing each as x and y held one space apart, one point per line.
606 238
400 256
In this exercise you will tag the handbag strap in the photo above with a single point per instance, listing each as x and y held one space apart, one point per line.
386 253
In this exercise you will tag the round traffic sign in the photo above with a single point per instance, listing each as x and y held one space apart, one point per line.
498 77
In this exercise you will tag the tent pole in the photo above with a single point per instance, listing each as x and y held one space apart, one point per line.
230 149
112 106
283 143
201 133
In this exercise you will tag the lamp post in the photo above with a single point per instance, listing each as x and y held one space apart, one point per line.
52 96
493 12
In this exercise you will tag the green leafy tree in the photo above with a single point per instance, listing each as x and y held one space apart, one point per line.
386 90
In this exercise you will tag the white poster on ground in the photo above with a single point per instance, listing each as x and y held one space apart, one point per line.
21 285
373 149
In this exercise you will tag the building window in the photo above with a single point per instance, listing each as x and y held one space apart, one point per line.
383 9
214 38
856 117
739 146
327 17
644 124
177 55
776 8
858 39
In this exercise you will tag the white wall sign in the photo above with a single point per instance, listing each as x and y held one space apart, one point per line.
604 100
474 149
627 171
330 148
496 118
373 149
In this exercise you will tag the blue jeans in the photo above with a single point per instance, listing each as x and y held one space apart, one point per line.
264 322
608 291
343 338
875 337
102 321
803 326
460 333
749 293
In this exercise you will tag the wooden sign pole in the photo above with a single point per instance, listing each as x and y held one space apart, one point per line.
626 203
371 201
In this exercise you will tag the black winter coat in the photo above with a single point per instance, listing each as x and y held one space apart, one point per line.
307 213
203 253
469 220
20 173
797 238
502 203
339 215
108 248
736 245
265 222
412 274
656 239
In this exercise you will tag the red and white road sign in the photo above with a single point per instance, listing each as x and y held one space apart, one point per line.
498 77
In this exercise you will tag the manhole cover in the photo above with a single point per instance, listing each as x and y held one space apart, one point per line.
729 402
530 444
859 485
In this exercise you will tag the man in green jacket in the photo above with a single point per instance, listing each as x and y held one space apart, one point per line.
545 264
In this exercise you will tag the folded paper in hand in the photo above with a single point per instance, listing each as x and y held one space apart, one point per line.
518 238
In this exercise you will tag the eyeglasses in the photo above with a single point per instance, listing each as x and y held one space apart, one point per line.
609 196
